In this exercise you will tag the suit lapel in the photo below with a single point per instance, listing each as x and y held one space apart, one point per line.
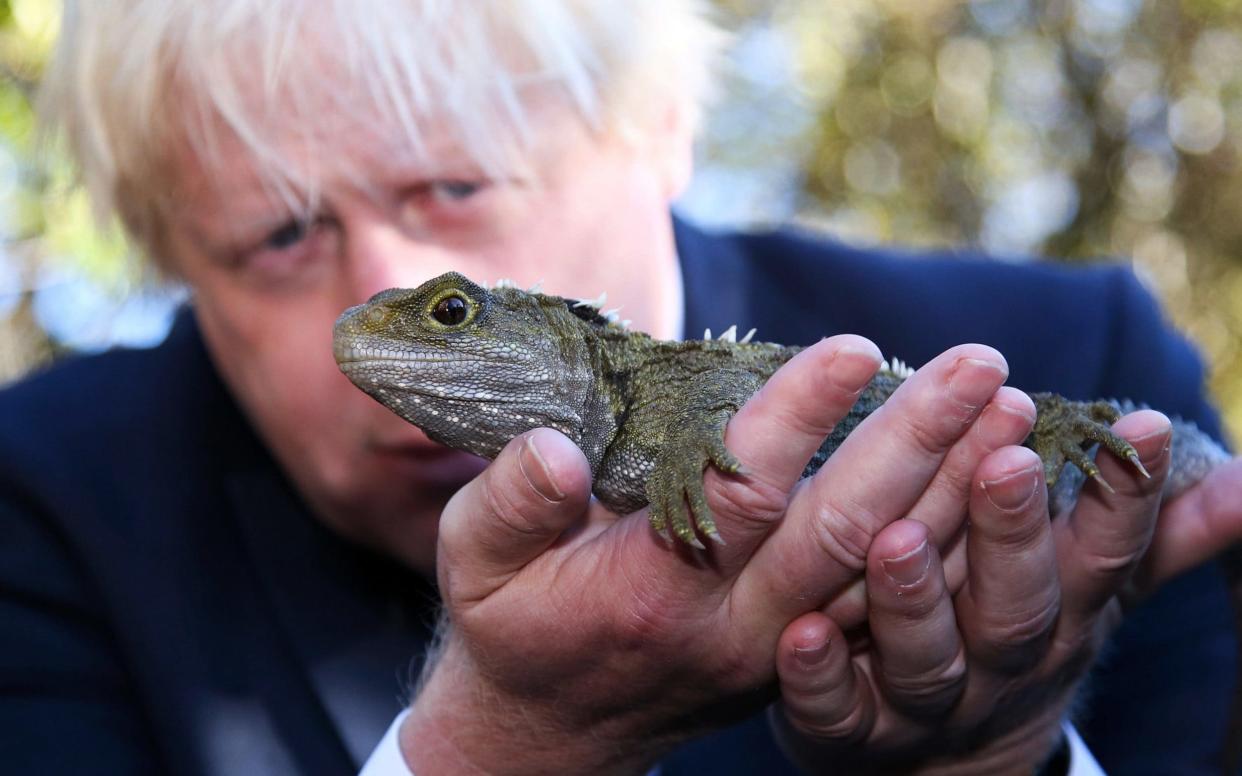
354 623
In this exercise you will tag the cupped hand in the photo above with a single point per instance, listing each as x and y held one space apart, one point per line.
977 679
581 641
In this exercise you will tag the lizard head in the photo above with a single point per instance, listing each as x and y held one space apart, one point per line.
473 367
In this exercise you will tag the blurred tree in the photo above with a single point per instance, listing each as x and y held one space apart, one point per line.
1074 129
46 226
22 342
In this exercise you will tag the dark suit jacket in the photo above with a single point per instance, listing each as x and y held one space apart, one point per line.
168 605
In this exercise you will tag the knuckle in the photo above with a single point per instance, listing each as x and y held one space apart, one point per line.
1023 631
929 692
918 603
509 508
1111 566
1019 536
750 501
844 534
932 437
835 725
1017 643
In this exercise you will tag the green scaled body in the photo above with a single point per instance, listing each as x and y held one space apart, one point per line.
474 367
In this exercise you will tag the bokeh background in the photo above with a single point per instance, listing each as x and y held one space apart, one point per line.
1066 130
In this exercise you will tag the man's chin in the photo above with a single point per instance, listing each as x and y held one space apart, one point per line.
422 465
394 497
402 521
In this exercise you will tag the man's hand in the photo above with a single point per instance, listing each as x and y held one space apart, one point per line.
581 642
978 681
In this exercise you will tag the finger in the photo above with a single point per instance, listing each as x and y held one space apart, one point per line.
778 430
1101 543
506 517
876 476
1195 526
823 694
1006 420
1012 599
920 666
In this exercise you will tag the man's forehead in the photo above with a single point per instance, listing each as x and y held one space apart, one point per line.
218 174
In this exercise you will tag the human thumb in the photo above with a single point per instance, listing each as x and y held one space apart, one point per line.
510 514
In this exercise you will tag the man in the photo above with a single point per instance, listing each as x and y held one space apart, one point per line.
220 564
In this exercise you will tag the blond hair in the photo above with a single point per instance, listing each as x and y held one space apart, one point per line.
132 79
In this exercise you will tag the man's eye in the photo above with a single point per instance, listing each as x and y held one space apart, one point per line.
292 251
453 191
287 236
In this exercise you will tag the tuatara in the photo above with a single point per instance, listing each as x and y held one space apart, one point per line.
474 367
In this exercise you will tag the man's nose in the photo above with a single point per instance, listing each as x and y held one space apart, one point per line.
379 256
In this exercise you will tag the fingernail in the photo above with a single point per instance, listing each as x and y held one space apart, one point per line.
998 421
812 656
974 380
1154 457
535 469
853 366
909 569
1012 491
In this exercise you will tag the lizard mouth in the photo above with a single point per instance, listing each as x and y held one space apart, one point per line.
349 354
355 357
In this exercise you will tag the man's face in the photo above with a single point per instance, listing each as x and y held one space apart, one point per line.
267 288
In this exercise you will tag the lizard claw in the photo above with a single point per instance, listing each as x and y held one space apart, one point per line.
664 535
1103 483
692 441
675 487
1065 430
1133 458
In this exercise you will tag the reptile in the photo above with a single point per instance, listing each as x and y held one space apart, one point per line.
475 367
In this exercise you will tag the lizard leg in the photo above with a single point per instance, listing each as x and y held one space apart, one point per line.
1065 429
693 441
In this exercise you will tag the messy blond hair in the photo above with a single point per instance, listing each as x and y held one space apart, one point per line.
133 80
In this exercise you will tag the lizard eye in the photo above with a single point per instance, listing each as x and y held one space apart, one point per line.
451 310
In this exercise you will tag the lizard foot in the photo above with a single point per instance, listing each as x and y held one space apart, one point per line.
1065 430
675 487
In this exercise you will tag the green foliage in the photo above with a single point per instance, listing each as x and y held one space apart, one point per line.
44 217
1074 129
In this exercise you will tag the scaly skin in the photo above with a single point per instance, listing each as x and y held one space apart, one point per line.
475 367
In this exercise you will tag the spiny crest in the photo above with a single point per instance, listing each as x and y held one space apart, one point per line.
899 368
589 310
730 335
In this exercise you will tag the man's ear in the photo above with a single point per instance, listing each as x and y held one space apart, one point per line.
672 147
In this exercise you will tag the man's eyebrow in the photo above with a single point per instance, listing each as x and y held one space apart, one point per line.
229 226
